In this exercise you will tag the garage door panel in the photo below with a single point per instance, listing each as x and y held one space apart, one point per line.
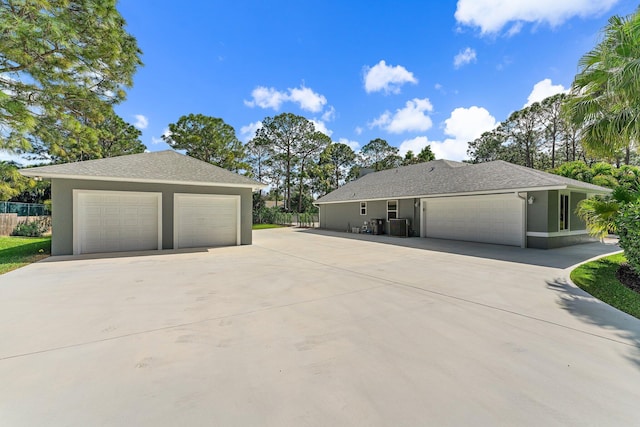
117 221
206 220
490 219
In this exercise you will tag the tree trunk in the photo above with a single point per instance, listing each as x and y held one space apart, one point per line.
300 187
627 156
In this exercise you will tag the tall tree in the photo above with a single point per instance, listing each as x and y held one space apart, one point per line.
488 147
209 139
257 156
285 134
117 137
605 94
522 130
425 155
338 158
63 64
553 122
379 155
11 181
307 151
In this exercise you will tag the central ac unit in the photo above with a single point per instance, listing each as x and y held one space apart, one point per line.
399 227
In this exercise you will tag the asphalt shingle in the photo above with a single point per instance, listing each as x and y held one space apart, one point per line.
161 166
447 177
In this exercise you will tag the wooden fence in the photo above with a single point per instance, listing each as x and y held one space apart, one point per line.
9 221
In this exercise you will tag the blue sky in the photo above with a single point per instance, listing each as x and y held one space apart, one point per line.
410 72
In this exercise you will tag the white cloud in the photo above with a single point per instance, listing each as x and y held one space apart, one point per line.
410 118
450 149
249 131
166 133
463 125
321 126
415 145
464 57
141 121
358 130
387 78
329 115
491 16
544 89
268 97
467 124
355 145
307 99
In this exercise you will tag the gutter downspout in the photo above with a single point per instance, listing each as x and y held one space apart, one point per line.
524 217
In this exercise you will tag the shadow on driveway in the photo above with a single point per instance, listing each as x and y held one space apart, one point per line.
593 311
555 258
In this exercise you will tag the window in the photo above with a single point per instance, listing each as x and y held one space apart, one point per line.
564 212
363 208
392 209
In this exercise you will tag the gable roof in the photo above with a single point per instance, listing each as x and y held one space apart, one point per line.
167 167
445 177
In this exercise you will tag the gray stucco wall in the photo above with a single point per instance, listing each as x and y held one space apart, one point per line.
344 216
553 213
575 222
537 212
62 207
542 216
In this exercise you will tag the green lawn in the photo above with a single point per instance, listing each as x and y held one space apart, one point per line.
16 252
265 226
599 279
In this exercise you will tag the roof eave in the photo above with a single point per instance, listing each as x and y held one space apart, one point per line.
471 193
34 173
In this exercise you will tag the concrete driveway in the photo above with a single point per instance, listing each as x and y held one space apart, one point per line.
316 329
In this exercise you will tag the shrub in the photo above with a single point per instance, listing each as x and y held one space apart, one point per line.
35 228
628 225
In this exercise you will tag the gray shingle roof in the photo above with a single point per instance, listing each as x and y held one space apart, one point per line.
161 166
447 177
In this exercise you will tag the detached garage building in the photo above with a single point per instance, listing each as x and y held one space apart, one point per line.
494 202
148 201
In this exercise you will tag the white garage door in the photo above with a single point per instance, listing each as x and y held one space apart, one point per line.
115 221
490 219
204 220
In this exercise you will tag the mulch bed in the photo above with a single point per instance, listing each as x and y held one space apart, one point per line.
628 277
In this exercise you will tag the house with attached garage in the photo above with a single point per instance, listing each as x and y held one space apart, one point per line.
494 202
148 201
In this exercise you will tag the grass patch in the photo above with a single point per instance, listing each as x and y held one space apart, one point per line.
16 252
266 226
599 279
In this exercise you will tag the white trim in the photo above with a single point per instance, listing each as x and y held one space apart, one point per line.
468 193
77 247
365 207
237 199
26 172
397 209
556 233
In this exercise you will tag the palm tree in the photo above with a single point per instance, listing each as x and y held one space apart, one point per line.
601 212
605 94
